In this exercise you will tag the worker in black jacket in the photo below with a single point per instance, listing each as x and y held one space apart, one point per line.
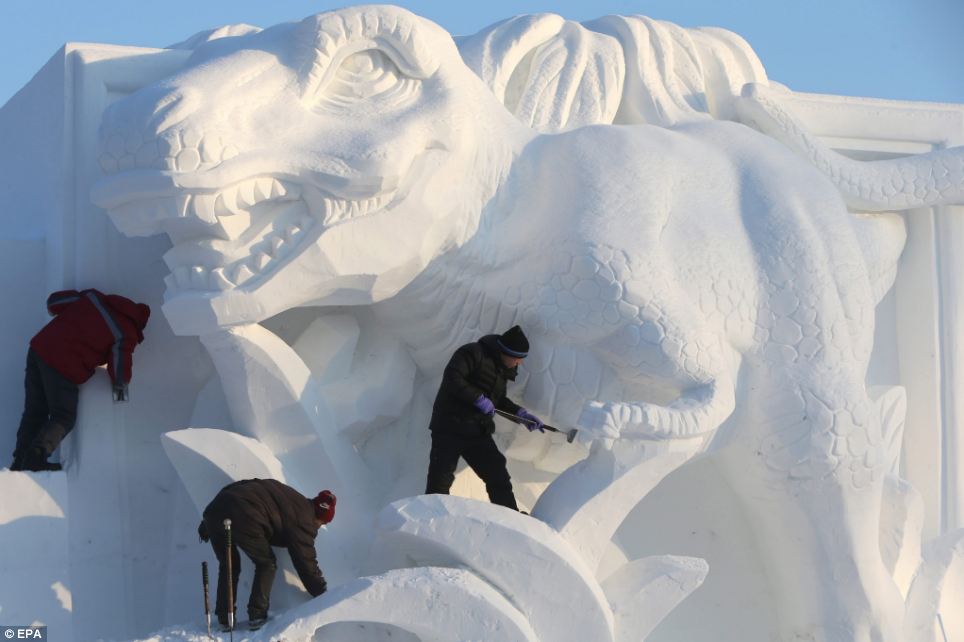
473 387
265 513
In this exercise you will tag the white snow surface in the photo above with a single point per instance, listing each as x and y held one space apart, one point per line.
320 212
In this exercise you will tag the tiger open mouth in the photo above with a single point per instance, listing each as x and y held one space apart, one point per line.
237 235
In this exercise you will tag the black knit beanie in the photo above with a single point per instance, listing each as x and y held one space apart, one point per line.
513 342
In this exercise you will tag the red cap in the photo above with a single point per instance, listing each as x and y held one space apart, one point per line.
325 506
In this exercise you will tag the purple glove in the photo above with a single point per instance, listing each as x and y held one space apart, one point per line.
484 405
529 420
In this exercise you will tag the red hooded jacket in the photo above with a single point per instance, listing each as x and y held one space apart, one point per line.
89 329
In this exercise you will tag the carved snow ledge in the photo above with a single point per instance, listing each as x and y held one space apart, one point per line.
644 591
39 495
523 558
431 603
207 459
588 502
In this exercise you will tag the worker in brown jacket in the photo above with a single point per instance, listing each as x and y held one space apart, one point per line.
265 513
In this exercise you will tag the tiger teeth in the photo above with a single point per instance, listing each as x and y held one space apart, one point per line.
221 206
230 210
199 277
242 197
219 281
230 199
337 210
204 207
246 197
262 188
242 274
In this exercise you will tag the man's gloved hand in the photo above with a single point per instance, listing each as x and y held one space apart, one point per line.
120 392
318 588
529 420
484 405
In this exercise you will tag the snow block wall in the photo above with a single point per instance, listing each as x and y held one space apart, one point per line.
746 299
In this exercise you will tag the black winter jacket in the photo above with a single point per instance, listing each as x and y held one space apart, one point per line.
475 369
268 509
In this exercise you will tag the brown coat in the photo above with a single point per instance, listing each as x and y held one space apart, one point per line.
272 511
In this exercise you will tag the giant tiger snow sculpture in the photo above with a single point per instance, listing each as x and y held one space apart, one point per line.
708 282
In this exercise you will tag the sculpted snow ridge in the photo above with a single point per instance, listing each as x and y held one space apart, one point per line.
674 279
555 74
524 559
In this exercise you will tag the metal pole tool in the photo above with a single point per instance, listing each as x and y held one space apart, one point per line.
207 602
227 532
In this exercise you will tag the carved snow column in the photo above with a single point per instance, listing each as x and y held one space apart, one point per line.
272 397
950 273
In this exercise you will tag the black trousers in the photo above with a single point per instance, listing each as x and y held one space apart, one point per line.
482 456
49 409
258 549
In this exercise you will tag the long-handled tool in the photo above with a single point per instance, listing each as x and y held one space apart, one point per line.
570 434
227 532
207 602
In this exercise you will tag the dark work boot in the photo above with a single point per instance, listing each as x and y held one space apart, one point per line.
36 461
256 623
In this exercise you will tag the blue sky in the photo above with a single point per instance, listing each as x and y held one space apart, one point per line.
903 49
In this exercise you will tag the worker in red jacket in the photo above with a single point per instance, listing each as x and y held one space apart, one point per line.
89 329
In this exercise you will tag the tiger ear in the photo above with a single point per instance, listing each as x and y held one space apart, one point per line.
552 74
330 38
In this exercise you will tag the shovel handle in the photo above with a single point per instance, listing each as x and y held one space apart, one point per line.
570 434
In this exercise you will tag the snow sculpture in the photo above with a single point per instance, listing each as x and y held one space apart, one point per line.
689 284
524 559
431 604
487 573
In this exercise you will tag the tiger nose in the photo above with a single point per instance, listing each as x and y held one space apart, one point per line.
130 129
172 108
